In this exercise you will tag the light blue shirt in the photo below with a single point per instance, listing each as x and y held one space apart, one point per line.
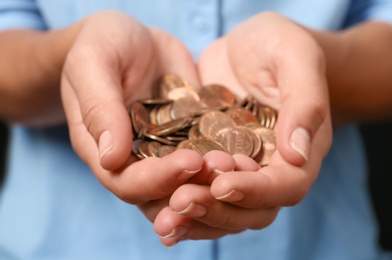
52 206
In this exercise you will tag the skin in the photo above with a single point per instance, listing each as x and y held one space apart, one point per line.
101 71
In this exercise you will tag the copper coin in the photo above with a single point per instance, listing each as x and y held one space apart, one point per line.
194 133
241 116
157 101
165 150
153 148
163 114
235 140
202 146
159 139
185 107
176 138
268 136
153 115
216 96
256 139
183 92
140 116
169 127
135 146
143 150
211 122
167 83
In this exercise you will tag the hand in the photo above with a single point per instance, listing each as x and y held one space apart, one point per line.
113 62
281 65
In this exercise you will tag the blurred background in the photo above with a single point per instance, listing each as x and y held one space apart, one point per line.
3 146
378 141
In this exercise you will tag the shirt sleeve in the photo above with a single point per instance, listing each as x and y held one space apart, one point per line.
18 14
367 10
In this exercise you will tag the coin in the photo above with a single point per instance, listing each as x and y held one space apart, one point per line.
153 148
216 96
167 83
139 115
156 101
163 114
165 150
268 137
194 133
256 139
235 140
202 146
241 116
211 122
185 107
211 118
143 150
169 127
182 92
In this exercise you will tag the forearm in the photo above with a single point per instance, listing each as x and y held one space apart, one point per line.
359 72
30 71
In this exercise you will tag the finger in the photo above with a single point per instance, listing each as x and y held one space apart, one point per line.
151 208
215 163
172 228
196 201
153 178
245 163
278 184
97 83
299 121
150 178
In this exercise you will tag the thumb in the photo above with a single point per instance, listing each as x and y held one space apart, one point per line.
94 105
304 108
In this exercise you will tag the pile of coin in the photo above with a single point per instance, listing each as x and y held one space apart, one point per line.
182 116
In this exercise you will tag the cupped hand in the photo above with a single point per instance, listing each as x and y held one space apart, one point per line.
279 63
113 62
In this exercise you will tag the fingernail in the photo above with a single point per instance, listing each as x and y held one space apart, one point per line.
218 171
300 141
186 174
194 210
174 243
177 232
105 143
232 196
